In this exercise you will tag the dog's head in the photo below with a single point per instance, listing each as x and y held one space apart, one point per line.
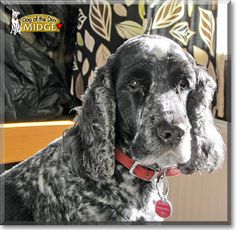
15 14
152 100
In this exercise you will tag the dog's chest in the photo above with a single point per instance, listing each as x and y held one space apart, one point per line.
120 200
140 199
147 209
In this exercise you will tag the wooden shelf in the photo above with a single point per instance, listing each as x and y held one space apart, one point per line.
22 140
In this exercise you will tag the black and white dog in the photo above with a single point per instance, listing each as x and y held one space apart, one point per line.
148 109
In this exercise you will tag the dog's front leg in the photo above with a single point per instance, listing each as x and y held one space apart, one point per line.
19 29
14 29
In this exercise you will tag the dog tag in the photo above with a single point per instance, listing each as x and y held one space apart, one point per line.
163 207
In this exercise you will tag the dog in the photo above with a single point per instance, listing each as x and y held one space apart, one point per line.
15 24
147 110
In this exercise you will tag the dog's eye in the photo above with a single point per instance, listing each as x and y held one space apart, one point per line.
133 84
184 84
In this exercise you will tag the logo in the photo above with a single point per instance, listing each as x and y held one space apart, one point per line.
34 23
15 24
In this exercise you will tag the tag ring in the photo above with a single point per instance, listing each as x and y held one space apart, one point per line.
165 186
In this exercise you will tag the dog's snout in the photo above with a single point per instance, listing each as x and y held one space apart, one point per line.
170 134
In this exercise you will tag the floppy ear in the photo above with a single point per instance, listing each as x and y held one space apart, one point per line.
96 121
207 144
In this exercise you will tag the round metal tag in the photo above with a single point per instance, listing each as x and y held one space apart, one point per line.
163 208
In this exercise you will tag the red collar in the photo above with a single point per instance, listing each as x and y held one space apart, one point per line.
140 171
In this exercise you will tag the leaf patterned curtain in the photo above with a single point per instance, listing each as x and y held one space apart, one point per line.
103 26
192 25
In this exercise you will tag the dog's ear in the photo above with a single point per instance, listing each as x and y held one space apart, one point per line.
207 143
96 121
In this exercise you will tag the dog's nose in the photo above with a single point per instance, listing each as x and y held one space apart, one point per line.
170 134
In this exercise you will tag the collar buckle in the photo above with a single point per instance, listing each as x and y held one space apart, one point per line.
155 176
132 168
135 164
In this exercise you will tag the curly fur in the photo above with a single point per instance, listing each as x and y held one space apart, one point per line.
76 180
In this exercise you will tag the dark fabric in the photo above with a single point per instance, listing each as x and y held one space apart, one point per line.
38 66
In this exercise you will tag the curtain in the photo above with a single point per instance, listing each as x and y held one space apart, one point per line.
103 26
192 25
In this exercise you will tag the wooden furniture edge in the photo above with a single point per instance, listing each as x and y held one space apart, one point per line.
22 140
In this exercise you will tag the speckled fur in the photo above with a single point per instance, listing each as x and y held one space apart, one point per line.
75 180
